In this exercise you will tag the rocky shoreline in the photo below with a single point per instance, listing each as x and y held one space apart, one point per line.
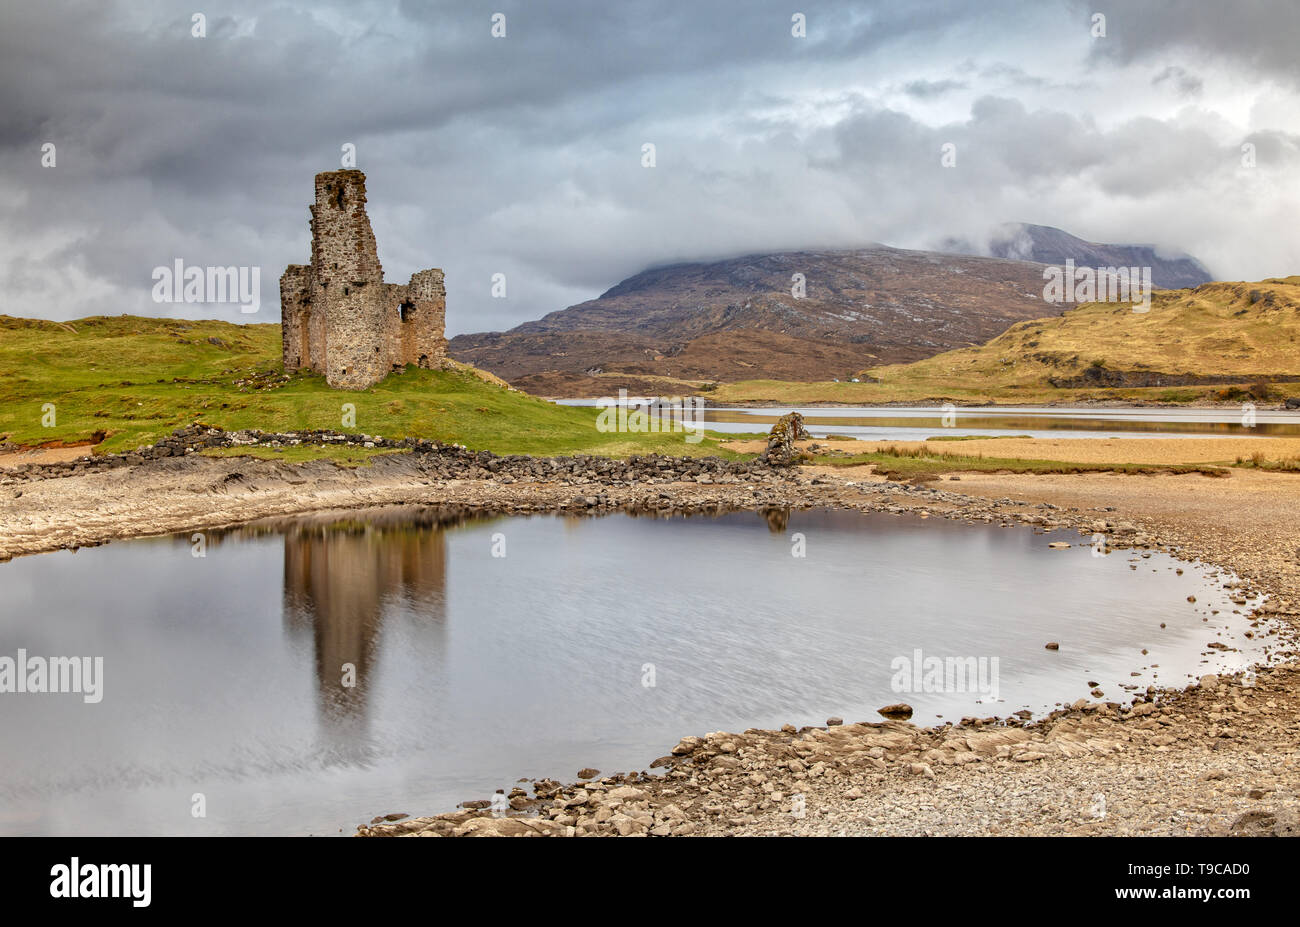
891 777
433 473
1222 751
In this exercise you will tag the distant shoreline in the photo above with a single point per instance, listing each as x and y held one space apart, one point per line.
960 404
966 404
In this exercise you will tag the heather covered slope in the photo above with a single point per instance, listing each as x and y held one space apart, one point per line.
736 319
684 325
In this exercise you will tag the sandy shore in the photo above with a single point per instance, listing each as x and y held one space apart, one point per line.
41 455
1217 758
1153 451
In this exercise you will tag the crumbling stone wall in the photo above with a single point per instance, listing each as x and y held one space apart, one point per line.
337 316
781 450
295 305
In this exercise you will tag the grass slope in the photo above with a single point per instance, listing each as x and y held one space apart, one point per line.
127 381
1229 329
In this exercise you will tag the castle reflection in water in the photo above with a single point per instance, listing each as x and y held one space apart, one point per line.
344 577
347 575
341 576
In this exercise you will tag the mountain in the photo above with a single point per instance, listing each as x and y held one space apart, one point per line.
1046 245
738 319
673 328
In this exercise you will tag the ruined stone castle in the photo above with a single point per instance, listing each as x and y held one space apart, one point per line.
337 316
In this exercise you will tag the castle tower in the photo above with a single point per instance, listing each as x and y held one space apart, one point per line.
337 315
348 284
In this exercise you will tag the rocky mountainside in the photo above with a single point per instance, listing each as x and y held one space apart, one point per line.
672 328
739 319
1046 245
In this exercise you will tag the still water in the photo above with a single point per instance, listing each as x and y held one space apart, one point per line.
489 649
899 423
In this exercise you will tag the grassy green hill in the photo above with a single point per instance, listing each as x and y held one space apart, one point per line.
125 381
1246 331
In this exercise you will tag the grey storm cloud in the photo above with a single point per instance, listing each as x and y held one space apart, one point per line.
1180 79
522 155
1255 34
925 89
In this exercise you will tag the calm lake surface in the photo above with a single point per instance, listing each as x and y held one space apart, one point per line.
897 423
223 673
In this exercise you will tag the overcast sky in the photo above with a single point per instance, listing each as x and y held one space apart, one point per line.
522 155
